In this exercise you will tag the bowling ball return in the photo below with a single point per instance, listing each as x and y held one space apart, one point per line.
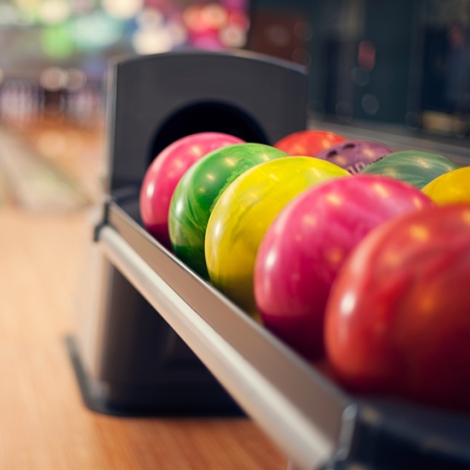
160 340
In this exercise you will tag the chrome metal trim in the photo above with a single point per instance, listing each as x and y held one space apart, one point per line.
297 434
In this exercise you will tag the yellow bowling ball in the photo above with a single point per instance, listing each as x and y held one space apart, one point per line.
245 211
451 187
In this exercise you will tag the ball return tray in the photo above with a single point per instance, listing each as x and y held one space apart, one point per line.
313 421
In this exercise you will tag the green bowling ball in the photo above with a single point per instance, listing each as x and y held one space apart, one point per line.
415 167
198 191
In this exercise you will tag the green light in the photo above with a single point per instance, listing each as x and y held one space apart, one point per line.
96 30
57 41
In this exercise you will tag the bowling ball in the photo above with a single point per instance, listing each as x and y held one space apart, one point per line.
451 187
199 189
354 155
308 143
397 321
413 166
164 173
244 213
305 247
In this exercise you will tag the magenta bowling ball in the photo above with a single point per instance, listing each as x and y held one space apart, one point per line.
354 155
305 247
166 170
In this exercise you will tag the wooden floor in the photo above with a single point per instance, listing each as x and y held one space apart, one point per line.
43 422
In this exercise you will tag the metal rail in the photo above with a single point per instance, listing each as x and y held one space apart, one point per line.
306 444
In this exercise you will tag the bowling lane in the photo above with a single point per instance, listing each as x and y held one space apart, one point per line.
52 166
44 424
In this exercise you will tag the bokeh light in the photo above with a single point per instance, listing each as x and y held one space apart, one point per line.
54 11
57 41
96 30
77 79
56 53
53 78
152 40
123 9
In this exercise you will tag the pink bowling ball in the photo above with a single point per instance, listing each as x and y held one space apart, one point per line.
166 170
306 245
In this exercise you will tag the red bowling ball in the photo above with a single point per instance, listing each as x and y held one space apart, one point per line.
165 172
308 143
307 244
398 319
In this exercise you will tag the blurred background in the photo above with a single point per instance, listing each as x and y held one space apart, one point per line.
401 66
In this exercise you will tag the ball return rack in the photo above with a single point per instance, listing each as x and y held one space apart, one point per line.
165 341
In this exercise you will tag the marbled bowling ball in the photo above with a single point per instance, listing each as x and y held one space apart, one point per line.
166 170
308 143
415 167
355 155
198 191
450 188
245 211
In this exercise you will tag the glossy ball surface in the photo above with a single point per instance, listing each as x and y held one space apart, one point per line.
198 191
412 166
304 249
398 321
164 173
245 211
308 143
354 155
450 188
